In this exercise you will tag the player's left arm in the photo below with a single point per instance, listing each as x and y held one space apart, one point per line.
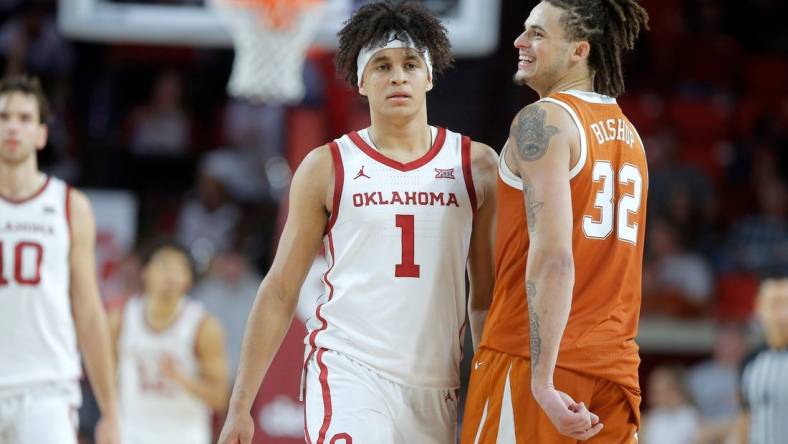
90 319
211 385
484 163
540 151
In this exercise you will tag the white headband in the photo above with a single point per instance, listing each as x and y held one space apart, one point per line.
395 40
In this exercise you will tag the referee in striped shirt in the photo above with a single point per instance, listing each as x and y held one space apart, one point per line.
764 381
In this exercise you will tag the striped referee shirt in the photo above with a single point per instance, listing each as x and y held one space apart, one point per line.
764 386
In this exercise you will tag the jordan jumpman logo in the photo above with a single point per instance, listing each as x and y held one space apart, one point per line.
361 173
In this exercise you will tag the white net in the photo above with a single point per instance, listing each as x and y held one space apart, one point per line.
269 57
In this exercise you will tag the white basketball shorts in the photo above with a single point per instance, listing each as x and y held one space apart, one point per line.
41 414
349 403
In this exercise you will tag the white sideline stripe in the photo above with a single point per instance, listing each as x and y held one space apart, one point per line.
481 423
506 433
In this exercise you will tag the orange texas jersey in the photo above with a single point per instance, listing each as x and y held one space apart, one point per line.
609 186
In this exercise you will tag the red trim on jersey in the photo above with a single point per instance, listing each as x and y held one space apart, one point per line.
28 198
313 335
339 180
344 436
467 171
418 163
330 295
327 410
68 209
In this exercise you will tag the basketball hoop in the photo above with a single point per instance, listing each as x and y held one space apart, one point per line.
271 38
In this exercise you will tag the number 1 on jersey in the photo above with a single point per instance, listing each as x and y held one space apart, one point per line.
407 267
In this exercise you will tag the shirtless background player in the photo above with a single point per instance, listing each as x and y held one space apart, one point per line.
572 189
171 359
49 299
385 341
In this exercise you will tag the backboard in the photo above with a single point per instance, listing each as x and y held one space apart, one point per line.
472 24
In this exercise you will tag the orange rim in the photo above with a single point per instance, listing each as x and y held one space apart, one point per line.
277 13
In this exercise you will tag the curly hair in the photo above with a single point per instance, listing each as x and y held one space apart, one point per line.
610 26
29 86
373 23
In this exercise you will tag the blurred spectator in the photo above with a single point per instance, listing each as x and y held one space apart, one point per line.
228 292
31 43
714 385
161 127
256 134
259 127
209 220
676 281
764 385
679 191
670 418
759 243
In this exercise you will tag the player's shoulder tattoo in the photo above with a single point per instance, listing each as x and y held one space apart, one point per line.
531 132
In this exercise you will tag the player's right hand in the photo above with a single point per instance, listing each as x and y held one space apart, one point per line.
238 429
568 417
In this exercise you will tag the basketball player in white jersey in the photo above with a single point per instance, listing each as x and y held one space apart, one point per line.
399 209
171 359
49 298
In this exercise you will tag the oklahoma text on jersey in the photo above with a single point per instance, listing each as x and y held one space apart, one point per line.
405 198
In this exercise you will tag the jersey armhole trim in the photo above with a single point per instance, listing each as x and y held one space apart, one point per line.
467 173
507 176
581 161
339 180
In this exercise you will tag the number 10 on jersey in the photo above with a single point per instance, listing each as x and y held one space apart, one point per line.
407 267
31 275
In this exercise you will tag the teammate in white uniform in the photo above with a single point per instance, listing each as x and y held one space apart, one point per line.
399 209
49 299
171 359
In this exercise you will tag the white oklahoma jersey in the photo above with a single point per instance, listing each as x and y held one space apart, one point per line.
396 246
154 409
39 343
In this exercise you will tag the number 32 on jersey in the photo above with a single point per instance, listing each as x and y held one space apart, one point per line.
627 204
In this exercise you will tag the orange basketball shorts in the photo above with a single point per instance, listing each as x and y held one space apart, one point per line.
500 408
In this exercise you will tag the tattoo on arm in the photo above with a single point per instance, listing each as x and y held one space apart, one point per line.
533 318
532 133
532 206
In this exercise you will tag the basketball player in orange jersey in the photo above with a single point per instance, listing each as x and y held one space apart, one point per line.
558 361
49 299
401 209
